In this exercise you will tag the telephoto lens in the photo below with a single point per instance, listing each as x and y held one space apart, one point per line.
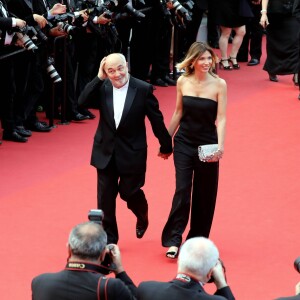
52 71
26 41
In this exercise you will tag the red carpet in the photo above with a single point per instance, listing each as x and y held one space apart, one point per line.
47 186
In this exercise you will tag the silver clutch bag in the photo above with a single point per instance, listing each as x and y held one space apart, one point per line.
207 153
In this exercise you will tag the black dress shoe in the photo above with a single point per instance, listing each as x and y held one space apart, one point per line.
141 226
159 82
22 131
253 62
169 81
273 77
89 114
79 117
39 127
14 137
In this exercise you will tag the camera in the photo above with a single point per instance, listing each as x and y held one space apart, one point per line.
23 36
224 271
68 22
181 11
297 264
52 71
107 266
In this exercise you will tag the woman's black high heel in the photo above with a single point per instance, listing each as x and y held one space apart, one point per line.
227 68
236 66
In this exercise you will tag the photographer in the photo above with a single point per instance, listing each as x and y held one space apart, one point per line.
198 263
82 277
7 84
28 80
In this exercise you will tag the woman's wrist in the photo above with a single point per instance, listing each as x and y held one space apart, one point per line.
263 11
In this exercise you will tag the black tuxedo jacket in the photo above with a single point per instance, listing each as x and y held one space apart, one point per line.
5 22
179 290
23 10
128 141
79 285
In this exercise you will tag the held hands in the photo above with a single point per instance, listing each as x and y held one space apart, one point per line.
164 155
101 73
264 22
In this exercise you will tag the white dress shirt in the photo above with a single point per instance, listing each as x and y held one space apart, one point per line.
119 96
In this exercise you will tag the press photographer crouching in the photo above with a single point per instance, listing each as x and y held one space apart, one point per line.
83 276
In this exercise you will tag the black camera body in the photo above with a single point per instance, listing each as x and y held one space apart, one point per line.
107 266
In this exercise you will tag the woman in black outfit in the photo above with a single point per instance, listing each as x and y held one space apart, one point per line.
232 14
282 38
201 100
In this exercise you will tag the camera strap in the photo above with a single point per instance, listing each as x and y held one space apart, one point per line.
82 266
102 288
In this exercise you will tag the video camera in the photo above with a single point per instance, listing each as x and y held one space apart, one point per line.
107 266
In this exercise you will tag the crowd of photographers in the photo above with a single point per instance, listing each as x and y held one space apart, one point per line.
90 259
49 51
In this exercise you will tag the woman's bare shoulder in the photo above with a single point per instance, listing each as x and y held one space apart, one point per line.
220 81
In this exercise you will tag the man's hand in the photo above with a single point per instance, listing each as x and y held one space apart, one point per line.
40 20
20 23
57 31
219 276
164 155
84 15
102 20
101 73
58 9
115 255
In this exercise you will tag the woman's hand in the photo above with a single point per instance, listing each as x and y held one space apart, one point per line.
264 22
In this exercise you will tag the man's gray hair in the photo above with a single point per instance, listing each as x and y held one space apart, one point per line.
87 240
197 256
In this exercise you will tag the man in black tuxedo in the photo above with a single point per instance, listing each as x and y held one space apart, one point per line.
120 147
198 261
8 51
82 278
